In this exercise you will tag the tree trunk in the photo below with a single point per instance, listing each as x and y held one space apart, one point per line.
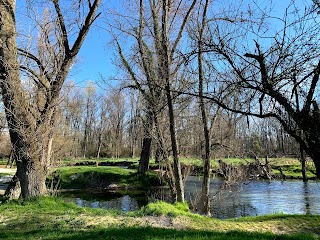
206 165
146 145
175 152
164 154
33 158
165 76
314 152
158 155
99 144
312 134
145 155
303 164
13 190
10 160
32 176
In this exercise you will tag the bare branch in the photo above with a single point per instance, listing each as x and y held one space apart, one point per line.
62 26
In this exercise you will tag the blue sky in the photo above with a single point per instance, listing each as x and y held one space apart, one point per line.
95 58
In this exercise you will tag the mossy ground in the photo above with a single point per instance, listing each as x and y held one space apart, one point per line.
52 218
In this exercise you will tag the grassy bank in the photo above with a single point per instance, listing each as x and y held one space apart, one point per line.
290 167
102 177
51 218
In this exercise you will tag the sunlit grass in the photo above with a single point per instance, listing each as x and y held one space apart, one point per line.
3 161
52 218
165 209
291 167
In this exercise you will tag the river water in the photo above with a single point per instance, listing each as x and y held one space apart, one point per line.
261 197
248 199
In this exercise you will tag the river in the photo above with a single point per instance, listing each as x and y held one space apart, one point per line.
248 199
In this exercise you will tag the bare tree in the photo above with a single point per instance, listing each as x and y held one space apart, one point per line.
30 110
206 131
90 109
159 61
277 77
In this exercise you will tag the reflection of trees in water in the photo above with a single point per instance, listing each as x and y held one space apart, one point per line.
307 197
224 198
226 202
232 207
125 203
159 194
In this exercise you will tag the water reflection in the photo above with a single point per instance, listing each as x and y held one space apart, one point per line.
307 198
250 199
125 203
108 200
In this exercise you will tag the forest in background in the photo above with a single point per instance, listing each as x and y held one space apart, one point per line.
110 124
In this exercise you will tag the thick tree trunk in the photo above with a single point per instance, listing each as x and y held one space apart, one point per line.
32 176
32 169
33 161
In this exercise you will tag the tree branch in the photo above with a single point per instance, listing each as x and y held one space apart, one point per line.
62 27
309 98
184 22
90 18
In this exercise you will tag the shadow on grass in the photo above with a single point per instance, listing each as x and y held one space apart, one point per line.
139 233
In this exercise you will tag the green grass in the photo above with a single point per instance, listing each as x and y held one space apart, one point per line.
3 161
165 209
52 218
140 233
291 167
98 160
100 177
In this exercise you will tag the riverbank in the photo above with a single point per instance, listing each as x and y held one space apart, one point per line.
101 178
280 168
52 218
